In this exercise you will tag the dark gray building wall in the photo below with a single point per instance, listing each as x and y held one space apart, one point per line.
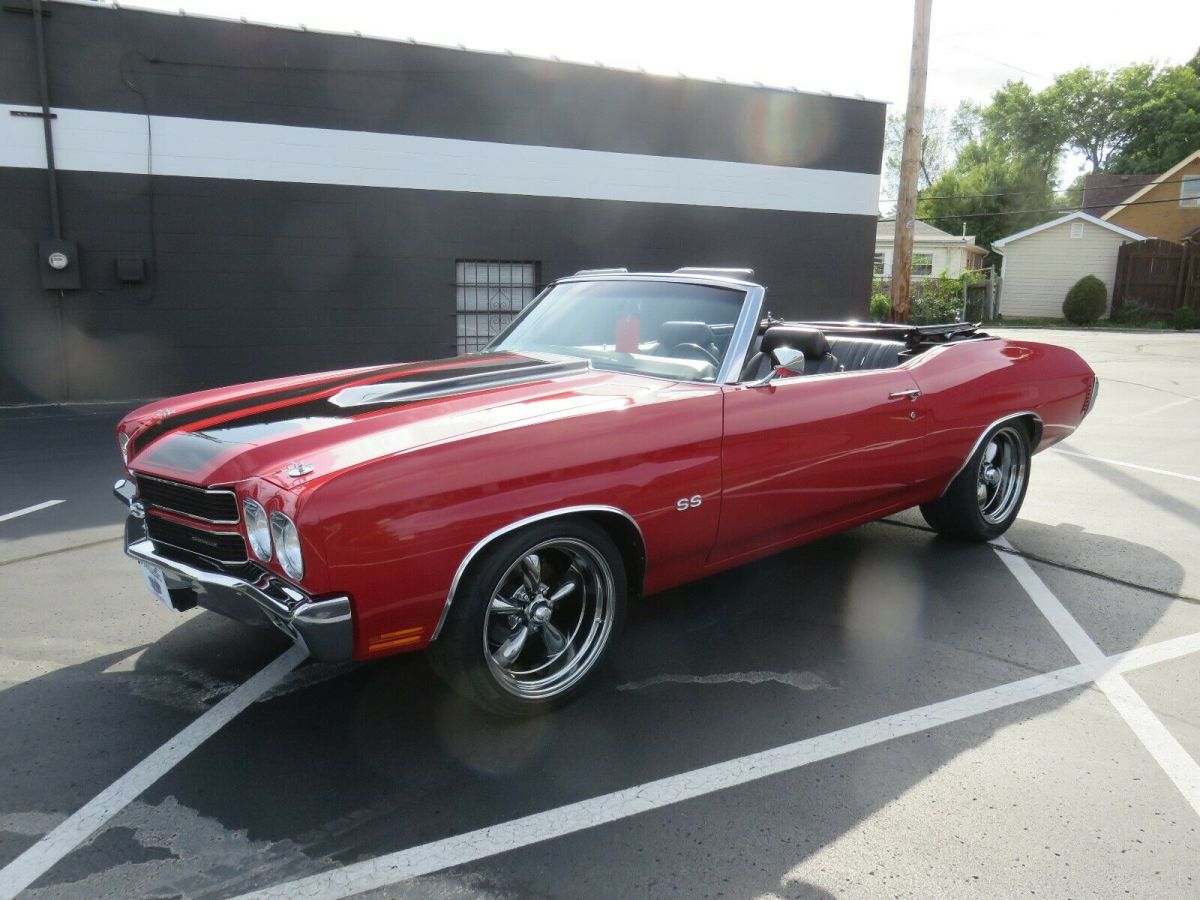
252 279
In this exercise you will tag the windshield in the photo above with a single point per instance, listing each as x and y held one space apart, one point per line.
664 328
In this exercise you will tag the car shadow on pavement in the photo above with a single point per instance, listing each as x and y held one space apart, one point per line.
1141 487
343 763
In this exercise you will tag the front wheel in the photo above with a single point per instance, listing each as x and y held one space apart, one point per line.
986 496
533 617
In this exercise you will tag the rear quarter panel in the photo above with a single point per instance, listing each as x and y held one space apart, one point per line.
968 386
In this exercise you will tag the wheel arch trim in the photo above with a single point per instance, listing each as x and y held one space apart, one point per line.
482 544
1034 440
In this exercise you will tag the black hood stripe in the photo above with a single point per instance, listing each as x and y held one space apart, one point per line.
321 409
434 370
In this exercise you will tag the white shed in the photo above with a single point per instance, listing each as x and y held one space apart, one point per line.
1042 263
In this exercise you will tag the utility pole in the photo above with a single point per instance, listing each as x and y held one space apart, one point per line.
910 162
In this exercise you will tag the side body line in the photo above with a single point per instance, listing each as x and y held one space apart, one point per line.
521 523
979 441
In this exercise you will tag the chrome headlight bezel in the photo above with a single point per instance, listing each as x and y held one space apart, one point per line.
258 529
286 538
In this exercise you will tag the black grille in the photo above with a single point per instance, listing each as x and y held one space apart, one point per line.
211 506
221 546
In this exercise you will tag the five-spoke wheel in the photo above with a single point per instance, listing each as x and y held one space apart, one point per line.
533 616
549 615
1000 482
985 498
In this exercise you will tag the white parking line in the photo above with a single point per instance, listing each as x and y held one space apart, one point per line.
1125 465
1155 410
30 509
513 835
42 856
1162 745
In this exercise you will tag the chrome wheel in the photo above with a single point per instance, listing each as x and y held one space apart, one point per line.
1001 478
548 618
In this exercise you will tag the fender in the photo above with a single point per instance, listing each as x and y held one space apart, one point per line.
521 523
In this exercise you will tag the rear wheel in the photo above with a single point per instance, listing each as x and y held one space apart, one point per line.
986 496
533 617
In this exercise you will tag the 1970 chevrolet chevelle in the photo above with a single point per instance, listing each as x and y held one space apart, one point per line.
626 433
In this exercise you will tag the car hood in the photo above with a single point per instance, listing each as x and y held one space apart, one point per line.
309 428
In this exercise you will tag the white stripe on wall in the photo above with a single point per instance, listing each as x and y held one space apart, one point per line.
91 141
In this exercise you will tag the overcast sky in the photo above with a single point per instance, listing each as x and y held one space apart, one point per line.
846 46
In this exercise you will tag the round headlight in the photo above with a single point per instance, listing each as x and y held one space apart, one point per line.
257 529
287 545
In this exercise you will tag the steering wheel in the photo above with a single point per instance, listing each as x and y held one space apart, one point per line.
694 351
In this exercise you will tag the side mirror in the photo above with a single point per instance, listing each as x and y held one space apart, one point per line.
786 360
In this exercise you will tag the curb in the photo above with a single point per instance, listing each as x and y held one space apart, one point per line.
993 326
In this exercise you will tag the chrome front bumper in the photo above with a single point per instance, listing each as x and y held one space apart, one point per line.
324 627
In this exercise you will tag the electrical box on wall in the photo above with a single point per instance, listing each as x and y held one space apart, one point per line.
58 262
131 269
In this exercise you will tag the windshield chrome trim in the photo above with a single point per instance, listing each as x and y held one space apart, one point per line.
743 334
743 330
715 280
512 323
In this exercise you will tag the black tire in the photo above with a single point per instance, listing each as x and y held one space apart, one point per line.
559 643
986 496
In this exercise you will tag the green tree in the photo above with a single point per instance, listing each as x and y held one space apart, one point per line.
1092 109
944 135
987 190
990 168
1021 124
1163 126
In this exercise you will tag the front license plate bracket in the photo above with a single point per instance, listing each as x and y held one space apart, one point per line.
156 581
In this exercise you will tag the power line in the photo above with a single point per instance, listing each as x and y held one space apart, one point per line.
1134 190
1017 212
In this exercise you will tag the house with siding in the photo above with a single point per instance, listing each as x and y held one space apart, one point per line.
934 251
1042 263
1168 207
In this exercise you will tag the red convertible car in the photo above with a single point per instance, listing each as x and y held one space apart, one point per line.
626 433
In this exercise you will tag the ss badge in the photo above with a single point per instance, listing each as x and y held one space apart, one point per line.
683 504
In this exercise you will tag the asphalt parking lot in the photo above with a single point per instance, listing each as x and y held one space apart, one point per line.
882 713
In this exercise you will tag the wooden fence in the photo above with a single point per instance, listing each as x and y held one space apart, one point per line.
1159 275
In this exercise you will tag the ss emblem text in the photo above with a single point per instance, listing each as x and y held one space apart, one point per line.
683 504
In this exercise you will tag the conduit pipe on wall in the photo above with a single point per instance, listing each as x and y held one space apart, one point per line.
39 37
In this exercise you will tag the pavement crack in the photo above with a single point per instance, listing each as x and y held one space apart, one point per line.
1078 570
44 554
804 681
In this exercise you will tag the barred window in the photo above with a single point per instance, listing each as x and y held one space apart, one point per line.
489 293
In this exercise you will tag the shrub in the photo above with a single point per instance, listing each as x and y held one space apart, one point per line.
1184 318
1086 301
1133 313
934 310
936 301
932 301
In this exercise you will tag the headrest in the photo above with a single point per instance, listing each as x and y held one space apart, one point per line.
675 333
809 341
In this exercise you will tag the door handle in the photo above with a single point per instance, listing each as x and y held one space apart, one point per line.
910 393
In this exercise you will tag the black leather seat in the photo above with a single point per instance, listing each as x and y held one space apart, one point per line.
818 358
857 353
